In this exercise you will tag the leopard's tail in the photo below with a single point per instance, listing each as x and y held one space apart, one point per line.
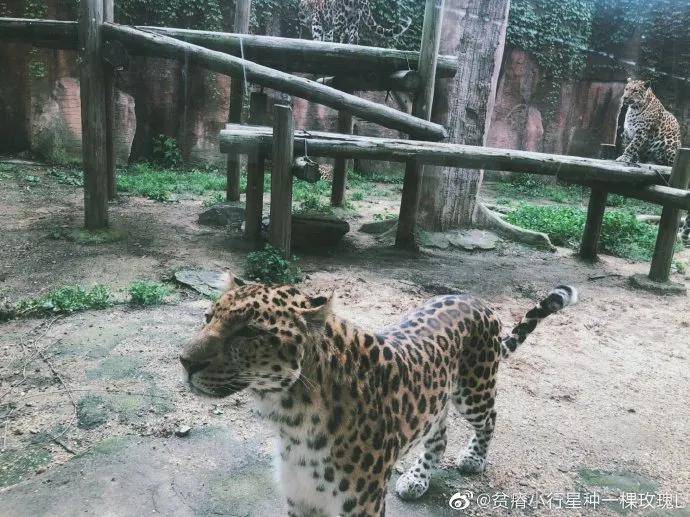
559 298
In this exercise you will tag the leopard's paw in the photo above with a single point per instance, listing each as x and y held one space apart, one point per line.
471 464
411 485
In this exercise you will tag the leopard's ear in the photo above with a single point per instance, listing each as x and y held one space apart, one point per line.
319 310
229 282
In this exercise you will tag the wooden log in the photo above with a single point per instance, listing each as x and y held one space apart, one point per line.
589 245
570 168
306 56
44 33
660 269
341 163
237 88
93 116
281 179
256 165
162 46
286 54
400 81
306 169
421 107
109 80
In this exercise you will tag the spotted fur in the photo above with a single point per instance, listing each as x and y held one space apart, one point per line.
340 21
650 133
347 402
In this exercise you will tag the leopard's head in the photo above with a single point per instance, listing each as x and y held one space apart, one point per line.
635 93
254 337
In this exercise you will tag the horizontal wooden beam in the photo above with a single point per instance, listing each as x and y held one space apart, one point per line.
242 139
286 54
658 194
48 33
299 55
146 43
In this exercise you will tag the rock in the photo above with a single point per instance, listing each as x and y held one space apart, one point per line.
182 431
223 214
208 283
317 231
468 240
378 227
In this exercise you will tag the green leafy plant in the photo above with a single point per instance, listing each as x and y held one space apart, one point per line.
74 178
314 204
622 234
215 199
166 152
145 292
144 180
270 267
67 299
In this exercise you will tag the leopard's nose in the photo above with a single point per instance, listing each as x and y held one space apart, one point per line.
192 367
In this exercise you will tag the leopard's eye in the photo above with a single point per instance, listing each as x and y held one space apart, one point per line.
208 316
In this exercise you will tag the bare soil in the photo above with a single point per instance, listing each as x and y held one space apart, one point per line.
597 401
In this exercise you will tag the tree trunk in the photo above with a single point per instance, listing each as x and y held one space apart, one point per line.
473 30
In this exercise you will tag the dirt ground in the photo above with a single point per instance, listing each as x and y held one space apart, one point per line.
597 402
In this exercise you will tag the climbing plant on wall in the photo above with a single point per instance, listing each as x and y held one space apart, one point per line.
555 33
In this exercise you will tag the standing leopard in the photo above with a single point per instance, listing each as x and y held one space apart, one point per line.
650 133
347 402
340 21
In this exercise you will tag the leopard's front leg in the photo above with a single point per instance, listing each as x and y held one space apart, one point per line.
632 151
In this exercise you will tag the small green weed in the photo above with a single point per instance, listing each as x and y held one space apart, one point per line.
384 216
74 178
681 267
166 152
30 178
145 292
314 204
215 199
67 299
357 196
622 234
269 266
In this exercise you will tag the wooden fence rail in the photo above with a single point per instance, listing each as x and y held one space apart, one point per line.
146 43
286 54
621 176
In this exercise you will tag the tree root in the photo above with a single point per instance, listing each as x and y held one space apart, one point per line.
487 219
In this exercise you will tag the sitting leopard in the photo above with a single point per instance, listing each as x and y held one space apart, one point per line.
650 133
347 402
340 21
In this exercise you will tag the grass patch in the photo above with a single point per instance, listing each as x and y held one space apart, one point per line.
622 234
269 266
73 177
214 199
161 185
531 186
66 300
145 292
81 236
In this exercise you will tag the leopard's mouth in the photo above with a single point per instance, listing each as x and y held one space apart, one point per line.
216 392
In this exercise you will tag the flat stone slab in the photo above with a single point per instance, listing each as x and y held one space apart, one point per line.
208 283
209 472
223 214
468 240
641 281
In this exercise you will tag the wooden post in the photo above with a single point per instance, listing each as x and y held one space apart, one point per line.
93 116
256 160
281 178
341 164
421 108
109 78
589 246
660 269
237 87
